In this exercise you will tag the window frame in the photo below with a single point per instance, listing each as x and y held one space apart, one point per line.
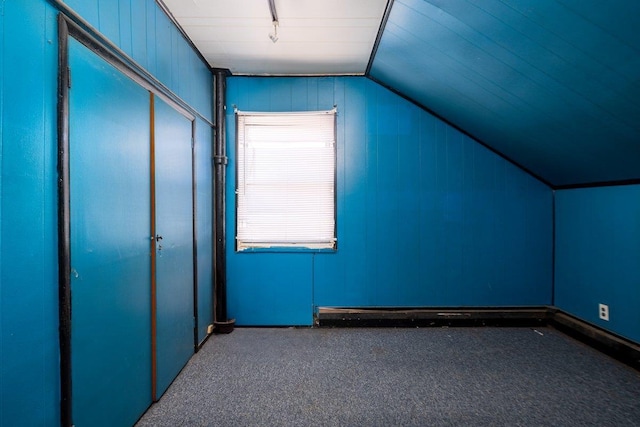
289 246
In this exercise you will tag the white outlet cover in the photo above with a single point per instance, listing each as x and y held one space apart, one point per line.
603 311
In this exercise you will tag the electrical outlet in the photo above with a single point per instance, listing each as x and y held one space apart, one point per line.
210 329
603 311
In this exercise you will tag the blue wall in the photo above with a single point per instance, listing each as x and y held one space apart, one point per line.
550 84
204 221
142 30
29 375
29 357
426 216
598 256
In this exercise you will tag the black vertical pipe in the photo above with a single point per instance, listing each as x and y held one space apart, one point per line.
64 242
221 321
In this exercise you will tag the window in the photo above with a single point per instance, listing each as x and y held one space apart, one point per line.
286 168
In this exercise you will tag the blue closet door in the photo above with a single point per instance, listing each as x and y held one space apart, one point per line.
174 251
109 159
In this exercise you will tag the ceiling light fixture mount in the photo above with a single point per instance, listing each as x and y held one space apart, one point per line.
274 36
274 20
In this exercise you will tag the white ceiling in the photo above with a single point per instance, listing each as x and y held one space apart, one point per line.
315 37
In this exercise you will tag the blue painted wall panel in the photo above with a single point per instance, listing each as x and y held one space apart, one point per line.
598 256
109 20
163 37
139 33
28 266
426 216
143 31
184 64
204 225
176 60
151 40
551 85
270 289
125 26
88 9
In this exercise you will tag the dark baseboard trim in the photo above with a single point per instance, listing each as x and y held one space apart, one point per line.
620 348
609 343
416 317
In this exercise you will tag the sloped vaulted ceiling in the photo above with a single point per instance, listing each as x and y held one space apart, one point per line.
553 85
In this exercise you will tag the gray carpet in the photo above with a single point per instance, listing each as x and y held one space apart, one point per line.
399 377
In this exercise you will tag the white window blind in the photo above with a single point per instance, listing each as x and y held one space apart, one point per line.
286 180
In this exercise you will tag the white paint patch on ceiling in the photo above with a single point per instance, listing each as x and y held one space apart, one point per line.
315 37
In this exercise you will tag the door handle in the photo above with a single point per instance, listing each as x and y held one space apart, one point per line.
158 238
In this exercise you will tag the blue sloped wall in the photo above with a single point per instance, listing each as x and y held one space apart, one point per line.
598 256
552 85
29 356
426 216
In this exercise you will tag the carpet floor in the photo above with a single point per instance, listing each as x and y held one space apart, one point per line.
399 377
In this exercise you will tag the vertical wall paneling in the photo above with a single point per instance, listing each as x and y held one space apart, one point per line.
426 216
125 28
88 9
386 207
142 31
270 289
598 256
407 205
29 384
152 42
176 52
204 223
350 177
49 308
109 20
139 28
174 243
368 288
110 266
163 37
